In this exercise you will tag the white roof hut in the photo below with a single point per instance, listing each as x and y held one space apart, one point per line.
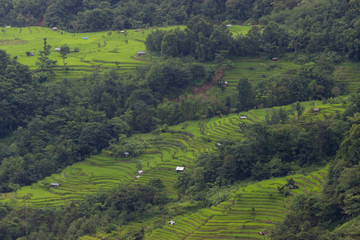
180 169
54 185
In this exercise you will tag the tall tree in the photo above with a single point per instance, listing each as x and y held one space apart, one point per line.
45 64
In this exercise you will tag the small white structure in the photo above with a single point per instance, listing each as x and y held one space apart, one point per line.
126 154
228 25
8 26
172 222
57 49
140 172
54 29
242 117
218 144
122 31
137 177
54 185
141 53
180 169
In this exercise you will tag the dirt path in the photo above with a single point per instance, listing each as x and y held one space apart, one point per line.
206 86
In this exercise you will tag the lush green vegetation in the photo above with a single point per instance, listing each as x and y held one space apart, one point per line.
91 132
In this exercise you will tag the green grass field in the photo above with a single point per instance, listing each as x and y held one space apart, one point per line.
101 51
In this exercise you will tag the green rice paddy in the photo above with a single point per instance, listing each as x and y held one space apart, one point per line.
249 211
179 146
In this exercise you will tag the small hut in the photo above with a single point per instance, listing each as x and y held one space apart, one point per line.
126 154
122 31
85 38
172 222
57 49
242 117
54 185
8 26
54 29
180 169
275 58
141 53
316 110
228 25
140 172
218 145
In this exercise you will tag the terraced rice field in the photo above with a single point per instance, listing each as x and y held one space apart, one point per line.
251 210
95 174
348 74
257 69
179 146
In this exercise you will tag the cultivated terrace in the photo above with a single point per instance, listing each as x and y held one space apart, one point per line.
179 120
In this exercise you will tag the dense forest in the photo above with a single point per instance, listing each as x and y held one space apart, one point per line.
46 125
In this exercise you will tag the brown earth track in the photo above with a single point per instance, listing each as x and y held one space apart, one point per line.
206 86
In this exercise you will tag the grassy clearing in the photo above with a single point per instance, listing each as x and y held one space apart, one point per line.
101 51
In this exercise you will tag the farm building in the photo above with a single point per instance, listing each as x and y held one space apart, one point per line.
8 26
275 58
242 117
54 29
140 172
180 169
126 154
316 110
57 49
85 38
54 185
218 144
30 54
141 53
228 25
122 31
171 222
